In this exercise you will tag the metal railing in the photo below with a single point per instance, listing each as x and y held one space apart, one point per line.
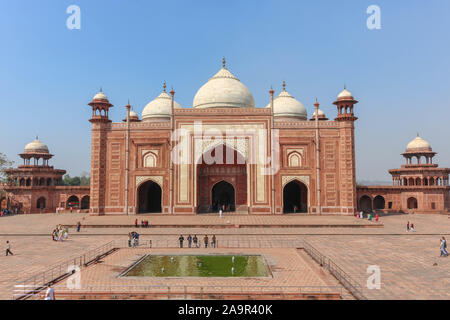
346 280
38 282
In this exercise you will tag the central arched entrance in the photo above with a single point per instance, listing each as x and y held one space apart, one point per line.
221 180
295 197
223 194
149 197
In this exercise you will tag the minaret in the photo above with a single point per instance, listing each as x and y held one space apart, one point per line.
272 176
345 104
100 109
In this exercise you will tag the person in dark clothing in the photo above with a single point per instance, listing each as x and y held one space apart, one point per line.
181 239
189 240
213 241
78 226
205 241
195 240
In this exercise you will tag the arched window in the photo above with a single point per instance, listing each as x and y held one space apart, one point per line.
378 203
85 202
294 159
418 182
73 202
365 204
150 160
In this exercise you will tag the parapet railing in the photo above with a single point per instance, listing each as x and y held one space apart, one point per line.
189 291
220 243
35 284
346 280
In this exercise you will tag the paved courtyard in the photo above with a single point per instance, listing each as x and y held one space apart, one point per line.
409 262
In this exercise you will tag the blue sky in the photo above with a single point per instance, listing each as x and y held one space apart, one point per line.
400 74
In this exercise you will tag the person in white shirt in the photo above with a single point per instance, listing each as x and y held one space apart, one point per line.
50 293
8 248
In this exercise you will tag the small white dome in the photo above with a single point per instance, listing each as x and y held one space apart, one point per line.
286 105
133 114
345 94
418 144
321 113
223 90
36 146
161 107
100 96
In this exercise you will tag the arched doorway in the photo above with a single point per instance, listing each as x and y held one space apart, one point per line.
412 203
73 202
40 203
3 203
223 193
149 197
365 204
295 197
221 163
85 202
379 203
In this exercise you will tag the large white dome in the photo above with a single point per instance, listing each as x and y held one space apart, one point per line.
223 90
36 146
418 144
286 105
161 107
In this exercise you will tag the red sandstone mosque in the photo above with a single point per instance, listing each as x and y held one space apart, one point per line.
225 153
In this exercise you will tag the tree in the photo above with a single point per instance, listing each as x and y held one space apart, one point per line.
84 180
4 164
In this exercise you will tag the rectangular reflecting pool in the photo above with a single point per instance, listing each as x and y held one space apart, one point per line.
199 266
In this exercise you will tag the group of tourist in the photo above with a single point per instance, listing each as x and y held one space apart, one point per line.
370 217
194 241
6 211
60 233
410 227
144 223
133 239
217 207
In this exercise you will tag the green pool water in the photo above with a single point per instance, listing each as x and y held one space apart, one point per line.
199 266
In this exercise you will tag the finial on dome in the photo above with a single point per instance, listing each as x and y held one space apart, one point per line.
164 86
284 85
417 134
101 89
224 63
172 92
37 137
345 86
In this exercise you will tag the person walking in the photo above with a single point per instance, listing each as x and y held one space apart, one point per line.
181 239
136 223
220 213
407 227
443 247
411 228
78 226
8 248
213 241
195 239
50 293
189 240
205 241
